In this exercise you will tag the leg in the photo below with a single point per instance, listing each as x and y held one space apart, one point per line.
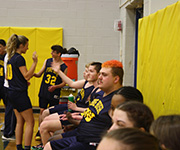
29 119
19 127
45 113
54 116
49 126
47 146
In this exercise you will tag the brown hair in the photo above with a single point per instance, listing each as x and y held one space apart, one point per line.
167 130
138 113
134 139
14 42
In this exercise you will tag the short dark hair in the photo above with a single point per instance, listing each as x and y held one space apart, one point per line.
138 113
130 93
59 49
2 42
135 139
97 66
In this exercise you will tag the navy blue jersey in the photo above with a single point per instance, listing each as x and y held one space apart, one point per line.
15 78
82 96
50 78
96 120
2 70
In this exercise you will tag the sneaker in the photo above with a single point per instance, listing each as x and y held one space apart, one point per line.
2 128
38 137
11 138
38 147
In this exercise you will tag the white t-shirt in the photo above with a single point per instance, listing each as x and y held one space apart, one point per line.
5 65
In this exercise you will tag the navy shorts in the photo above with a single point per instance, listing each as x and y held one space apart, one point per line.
19 100
2 95
69 133
43 102
70 143
60 108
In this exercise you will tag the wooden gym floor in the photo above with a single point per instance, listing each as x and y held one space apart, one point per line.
11 145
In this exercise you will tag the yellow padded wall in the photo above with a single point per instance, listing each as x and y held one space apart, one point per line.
40 40
158 70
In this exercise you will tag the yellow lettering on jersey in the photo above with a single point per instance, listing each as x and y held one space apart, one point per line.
88 115
94 102
9 72
1 62
50 79
82 95
99 106
1 71
49 69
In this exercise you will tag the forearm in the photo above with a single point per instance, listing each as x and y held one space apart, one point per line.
58 86
80 109
30 72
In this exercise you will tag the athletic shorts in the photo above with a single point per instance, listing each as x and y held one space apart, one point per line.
19 100
43 102
2 95
70 143
69 133
60 108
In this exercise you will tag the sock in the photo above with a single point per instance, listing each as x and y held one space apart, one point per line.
27 147
19 147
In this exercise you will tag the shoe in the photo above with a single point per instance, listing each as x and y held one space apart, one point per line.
38 147
2 128
11 138
38 137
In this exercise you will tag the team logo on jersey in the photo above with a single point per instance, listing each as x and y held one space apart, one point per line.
88 114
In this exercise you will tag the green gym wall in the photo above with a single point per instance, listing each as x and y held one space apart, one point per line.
158 69
40 40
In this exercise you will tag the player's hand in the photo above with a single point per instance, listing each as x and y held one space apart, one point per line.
51 88
35 57
72 105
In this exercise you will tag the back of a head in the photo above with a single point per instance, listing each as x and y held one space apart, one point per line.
14 42
138 113
130 93
133 139
167 131
59 49
97 66
2 42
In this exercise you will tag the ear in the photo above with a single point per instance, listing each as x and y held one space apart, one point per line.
142 129
116 79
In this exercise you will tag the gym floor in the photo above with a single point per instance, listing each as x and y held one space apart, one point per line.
11 145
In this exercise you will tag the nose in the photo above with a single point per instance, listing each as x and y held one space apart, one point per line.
113 127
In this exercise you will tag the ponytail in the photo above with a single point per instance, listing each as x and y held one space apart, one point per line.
13 44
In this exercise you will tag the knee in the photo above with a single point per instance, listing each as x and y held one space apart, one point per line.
43 127
45 113
47 146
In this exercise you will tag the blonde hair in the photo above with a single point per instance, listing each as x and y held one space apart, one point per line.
13 44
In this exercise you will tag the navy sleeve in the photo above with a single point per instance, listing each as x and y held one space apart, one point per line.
20 61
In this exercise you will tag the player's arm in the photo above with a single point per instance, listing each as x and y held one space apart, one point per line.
77 84
74 107
28 74
41 71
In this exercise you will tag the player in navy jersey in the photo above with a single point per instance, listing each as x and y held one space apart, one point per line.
2 54
61 108
52 122
18 77
96 119
51 83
